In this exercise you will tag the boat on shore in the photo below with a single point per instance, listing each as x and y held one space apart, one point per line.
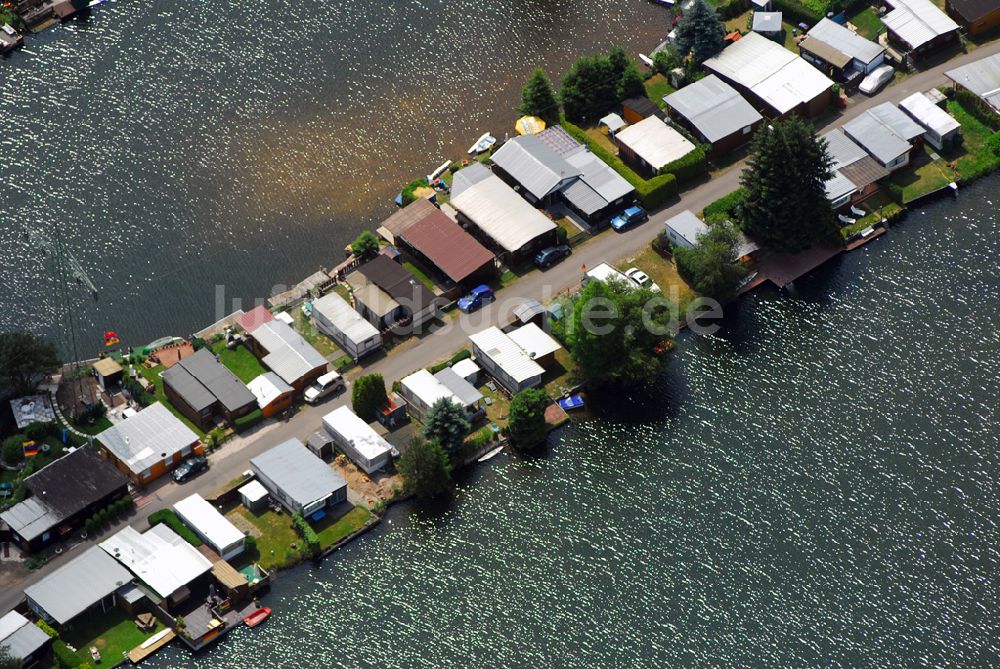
489 455
483 144
257 617
570 402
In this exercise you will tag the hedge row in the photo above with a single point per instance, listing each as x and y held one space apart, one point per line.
732 9
109 513
170 519
248 421
307 533
724 208
653 193
687 168
977 108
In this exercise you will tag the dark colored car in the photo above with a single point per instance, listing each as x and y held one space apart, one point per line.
551 255
476 298
190 468
628 218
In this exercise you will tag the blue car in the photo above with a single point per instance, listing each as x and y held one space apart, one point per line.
628 218
476 298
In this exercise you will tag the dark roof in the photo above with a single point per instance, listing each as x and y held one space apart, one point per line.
75 481
400 221
644 106
442 241
864 172
970 10
392 278
201 380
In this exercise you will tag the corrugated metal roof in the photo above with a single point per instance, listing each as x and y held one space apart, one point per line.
534 341
31 518
464 391
772 72
412 213
298 473
19 637
77 585
893 117
202 373
534 165
252 319
844 40
334 310
842 149
877 139
713 107
688 226
201 516
917 22
506 354
452 250
981 77
152 435
468 176
396 281
825 52
838 186
864 172
358 433
499 212
427 388
655 142
928 114
289 355
599 177
158 557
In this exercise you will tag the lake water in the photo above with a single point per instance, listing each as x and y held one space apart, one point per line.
185 146
815 486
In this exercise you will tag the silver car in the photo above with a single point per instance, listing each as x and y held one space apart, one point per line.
878 78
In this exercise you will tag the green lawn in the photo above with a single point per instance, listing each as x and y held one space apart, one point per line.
240 361
274 545
331 531
112 633
99 426
561 375
656 87
152 375
319 341
420 274
868 23
927 177
974 157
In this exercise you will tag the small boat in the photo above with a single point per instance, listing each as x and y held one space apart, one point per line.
483 144
646 60
491 454
571 402
257 617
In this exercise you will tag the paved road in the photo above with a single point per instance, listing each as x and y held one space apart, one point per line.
233 459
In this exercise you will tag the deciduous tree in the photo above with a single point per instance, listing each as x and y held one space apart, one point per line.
631 84
710 267
588 90
785 207
527 418
538 98
700 32
23 356
365 245
446 424
367 395
425 468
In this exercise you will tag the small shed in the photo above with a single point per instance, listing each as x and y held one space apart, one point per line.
639 108
768 24
109 373
253 495
536 343
613 122
684 229
529 311
321 444
393 412
272 393
468 370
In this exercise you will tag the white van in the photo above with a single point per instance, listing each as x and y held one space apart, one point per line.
324 386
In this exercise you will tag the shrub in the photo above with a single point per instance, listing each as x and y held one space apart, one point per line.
137 392
198 343
993 144
794 12
895 191
45 627
250 543
246 422
689 167
434 369
308 534
725 208
461 355
38 431
527 418
561 235
409 189
13 449
367 395
365 245
732 9
36 560
170 519
654 193
977 109
64 657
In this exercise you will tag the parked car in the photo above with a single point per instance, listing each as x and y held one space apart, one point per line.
641 279
476 298
190 468
878 78
323 387
628 218
550 256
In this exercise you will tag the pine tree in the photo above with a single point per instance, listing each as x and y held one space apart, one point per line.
446 424
700 32
538 98
425 468
786 208
527 418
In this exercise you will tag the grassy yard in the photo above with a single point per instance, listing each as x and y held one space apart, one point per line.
657 86
420 274
99 426
499 409
975 156
240 361
923 176
274 541
152 375
600 136
319 341
741 23
868 23
112 633
562 375
331 530
664 273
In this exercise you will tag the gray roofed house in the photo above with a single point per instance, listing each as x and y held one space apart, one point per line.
876 133
842 150
918 24
201 386
854 171
716 111
289 355
20 638
298 479
982 78
469 176
684 229
335 317
598 187
767 23
897 120
143 441
462 389
532 164
841 47
85 581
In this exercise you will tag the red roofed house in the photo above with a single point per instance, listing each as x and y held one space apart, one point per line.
440 242
253 319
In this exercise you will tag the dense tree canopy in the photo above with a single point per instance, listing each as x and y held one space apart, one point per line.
700 32
785 207
527 426
365 245
595 85
446 424
631 83
538 98
23 356
614 331
710 267
425 469
368 395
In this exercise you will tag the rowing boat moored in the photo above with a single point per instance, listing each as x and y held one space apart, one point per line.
257 617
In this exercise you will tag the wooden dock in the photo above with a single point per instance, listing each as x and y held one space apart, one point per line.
140 653
858 243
